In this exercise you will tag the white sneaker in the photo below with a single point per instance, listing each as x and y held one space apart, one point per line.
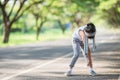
69 73
92 73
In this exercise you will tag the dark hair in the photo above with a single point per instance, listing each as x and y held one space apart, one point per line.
90 28
91 37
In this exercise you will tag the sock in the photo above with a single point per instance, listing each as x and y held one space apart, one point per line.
90 69
70 69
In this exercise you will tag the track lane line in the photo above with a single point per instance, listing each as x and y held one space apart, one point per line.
47 63
36 67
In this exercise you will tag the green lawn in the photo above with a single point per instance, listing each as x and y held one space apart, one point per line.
20 38
46 35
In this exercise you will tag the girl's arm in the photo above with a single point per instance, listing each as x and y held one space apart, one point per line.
82 35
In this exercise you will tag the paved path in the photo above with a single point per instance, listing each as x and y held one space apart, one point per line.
50 60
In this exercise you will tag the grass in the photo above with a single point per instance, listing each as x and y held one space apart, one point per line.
46 35
26 38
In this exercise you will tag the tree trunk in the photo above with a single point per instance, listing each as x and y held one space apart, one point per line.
62 27
6 34
39 30
37 34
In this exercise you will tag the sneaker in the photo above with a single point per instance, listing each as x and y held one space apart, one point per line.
92 73
69 73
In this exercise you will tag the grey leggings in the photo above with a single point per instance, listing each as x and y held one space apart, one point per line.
76 48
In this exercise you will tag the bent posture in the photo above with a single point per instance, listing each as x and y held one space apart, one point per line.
80 45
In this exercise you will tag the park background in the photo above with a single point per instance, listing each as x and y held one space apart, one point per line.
32 21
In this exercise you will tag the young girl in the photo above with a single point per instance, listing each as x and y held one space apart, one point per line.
80 45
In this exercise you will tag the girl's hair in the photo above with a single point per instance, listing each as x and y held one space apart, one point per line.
90 29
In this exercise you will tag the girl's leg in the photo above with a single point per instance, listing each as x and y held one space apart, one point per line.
89 59
90 64
76 50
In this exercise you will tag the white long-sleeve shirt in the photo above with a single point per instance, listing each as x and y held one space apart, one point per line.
76 35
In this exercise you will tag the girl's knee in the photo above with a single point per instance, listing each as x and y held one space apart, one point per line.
76 56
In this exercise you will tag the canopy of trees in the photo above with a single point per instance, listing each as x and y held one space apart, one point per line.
61 11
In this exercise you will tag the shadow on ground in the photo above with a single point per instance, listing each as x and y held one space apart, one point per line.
74 77
40 53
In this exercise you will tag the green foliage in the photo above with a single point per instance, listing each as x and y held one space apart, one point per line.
110 11
107 4
86 6
63 11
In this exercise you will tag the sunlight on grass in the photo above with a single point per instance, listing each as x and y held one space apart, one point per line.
20 38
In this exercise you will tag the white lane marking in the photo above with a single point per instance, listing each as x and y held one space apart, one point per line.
39 66
36 67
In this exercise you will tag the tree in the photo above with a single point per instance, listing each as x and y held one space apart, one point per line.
40 13
111 13
61 13
86 8
49 10
9 19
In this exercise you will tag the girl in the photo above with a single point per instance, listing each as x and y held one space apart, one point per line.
80 45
